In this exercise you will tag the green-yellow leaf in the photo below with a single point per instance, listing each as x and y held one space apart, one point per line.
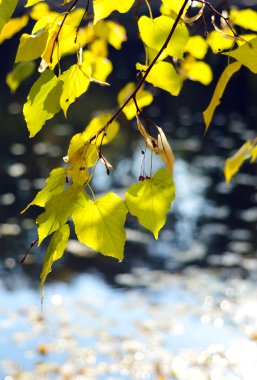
6 10
55 184
246 54
218 43
197 70
218 92
103 9
58 210
234 163
254 154
164 76
12 27
54 252
96 124
75 82
20 72
111 31
43 101
154 32
197 47
144 98
100 225
150 200
174 5
32 46
246 18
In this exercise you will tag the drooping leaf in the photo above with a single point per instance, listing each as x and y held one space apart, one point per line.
196 70
218 92
58 210
31 46
20 72
75 82
55 184
218 43
6 10
103 9
246 54
43 101
246 18
12 27
234 163
144 98
155 31
54 252
164 76
100 225
150 200
197 47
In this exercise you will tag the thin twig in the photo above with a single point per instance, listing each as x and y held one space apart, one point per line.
28 251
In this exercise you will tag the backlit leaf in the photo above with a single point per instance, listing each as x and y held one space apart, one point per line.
103 9
58 210
196 70
246 18
111 31
12 27
197 47
154 32
150 200
174 6
218 92
100 225
54 252
43 101
6 10
20 72
144 98
254 154
96 124
32 2
218 43
164 76
55 184
39 10
75 82
234 163
246 54
31 46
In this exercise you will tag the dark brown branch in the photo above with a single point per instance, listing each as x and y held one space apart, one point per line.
28 251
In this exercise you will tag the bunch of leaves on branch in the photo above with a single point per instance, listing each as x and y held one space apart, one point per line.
174 51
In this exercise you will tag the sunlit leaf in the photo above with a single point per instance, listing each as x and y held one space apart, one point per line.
58 210
164 76
197 47
246 18
32 46
111 31
100 225
75 82
39 10
43 101
246 54
173 6
96 124
6 10
54 252
103 9
234 163
144 98
12 27
254 154
218 43
55 184
197 70
150 200
101 66
219 90
32 2
20 72
165 151
155 31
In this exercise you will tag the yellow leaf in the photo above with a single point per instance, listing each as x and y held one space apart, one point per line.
54 252
81 156
234 163
75 82
103 9
219 90
171 6
197 70
246 18
150 200
43 101
144 98
20 72
96 124
246 54
6 10
59 209
32 2
217 42
111 31
101 67
31 46
164 76
197 47
100 225
55 184
154 32
12 27
254 154
39 10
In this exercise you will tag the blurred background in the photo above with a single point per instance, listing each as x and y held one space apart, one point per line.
183 307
